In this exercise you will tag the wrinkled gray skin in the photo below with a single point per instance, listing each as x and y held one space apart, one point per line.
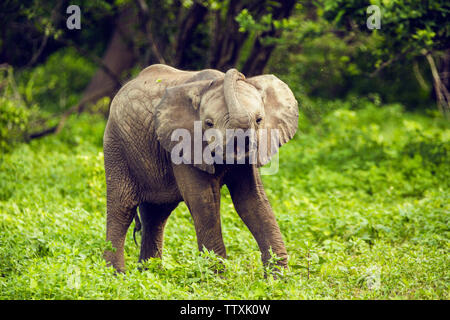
139 170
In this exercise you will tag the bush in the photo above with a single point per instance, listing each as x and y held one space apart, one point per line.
14 114
40 94
57 84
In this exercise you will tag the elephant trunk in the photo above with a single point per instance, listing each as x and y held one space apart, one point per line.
229 86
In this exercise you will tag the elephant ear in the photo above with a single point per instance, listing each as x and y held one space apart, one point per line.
179 109
281 109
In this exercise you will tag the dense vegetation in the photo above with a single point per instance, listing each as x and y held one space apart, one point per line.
362 199
362 192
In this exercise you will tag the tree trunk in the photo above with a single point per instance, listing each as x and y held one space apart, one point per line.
119 57
195 16
442 93
260 53
227 40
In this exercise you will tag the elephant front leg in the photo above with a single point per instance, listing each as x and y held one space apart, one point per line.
154 218
252 205
201 193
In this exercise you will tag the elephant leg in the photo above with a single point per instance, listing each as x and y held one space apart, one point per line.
251 203
118 221
153 219
201 193
121 202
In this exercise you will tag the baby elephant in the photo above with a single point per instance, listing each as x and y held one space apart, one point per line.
177 136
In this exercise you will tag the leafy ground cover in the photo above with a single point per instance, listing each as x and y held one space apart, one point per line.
361 196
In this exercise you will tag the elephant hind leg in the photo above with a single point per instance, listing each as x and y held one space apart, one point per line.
121 204
153 220
117 223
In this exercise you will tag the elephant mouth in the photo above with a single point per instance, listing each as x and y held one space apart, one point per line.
236 147
241 149
238 153
245 150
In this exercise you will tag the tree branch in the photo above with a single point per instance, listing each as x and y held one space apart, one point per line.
423 84
54 18
228 40
110 73
389 62
144 14
260 53
441 91
195 16
64 116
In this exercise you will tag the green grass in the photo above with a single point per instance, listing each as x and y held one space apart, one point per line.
362 199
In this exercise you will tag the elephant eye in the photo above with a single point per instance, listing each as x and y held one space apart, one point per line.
259 120
209 123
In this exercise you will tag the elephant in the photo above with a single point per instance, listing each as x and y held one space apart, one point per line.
140 171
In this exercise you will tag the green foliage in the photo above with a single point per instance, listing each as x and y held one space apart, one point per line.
327 50
56 85
14 113
407 26
361 198
247 23
13 121
31 101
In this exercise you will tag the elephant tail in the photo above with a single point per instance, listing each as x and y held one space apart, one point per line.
137 227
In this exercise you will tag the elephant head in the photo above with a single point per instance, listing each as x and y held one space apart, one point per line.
261 103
